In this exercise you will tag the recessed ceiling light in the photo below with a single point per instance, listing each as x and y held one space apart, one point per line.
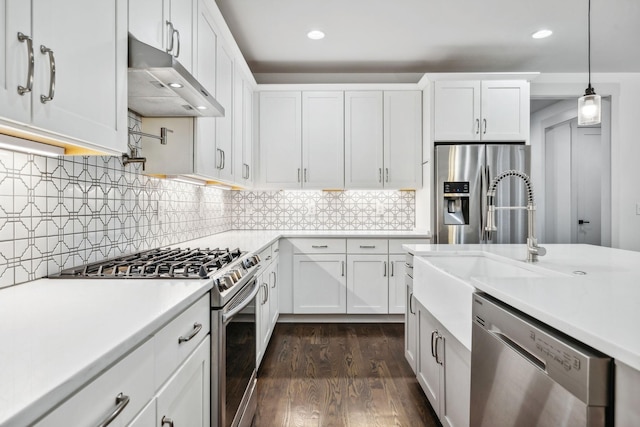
176 85
541 34
315 35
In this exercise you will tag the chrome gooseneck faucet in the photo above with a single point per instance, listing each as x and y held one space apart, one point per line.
533 250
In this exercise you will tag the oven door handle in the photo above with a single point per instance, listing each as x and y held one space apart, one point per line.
228 316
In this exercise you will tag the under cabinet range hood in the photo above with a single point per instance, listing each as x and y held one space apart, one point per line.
159 86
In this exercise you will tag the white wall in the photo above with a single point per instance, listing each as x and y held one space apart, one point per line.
624 89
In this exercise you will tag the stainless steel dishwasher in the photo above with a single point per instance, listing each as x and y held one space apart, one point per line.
524 373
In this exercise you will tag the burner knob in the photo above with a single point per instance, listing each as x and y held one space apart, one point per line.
225 282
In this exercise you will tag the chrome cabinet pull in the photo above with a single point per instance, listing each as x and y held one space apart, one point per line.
438 339
367 246
52 76
384 274
433 333
121 402
342 268
224 159
379 174
298 174
248 172
172 32
178 46
21 89
391 265
411 303
219 162
386 171
305 174
477 126
319 246
274 279
196 328
484 121
166 420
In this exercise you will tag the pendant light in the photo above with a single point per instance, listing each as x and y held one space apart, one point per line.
589 103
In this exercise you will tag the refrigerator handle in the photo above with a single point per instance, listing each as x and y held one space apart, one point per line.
483 191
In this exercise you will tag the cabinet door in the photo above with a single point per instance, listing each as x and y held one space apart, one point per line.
89 100
323 140
185 399
147 21
224 125
456 380
243 115
274 294
367 284
183 16
260 307
205 70
457 111
396 284
319 284
428 370
505 110
411 326
402 139
363 139
15 17
280 139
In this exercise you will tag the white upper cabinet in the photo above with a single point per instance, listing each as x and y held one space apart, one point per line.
78 90
492 110
363 139
383 139
402 139
243 129
280 128
322 140
224 125
168 25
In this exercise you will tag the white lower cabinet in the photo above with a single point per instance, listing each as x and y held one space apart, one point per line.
443 370
367 284
411 326
185 399
319 284
267 300
397 293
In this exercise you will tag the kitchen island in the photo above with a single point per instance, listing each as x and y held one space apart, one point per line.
588 292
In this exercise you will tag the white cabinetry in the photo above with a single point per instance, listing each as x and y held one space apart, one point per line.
322 140
383 139
397 290
243 131
78 90
410 319
224 125
267 300
443 370
280 139
367 276
319 284
168 25
491 110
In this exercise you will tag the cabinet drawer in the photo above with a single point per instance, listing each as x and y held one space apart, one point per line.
319 246
132 376
171 349
275 248
265 255
395 245
367 246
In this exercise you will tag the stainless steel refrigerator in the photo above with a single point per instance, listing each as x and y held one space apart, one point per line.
462 175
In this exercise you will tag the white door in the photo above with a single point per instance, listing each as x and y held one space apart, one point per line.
323 140
265 317
411 326
397 288
15 18
558 219
505 110
363 139
320 284
183 17
428 370
274 294
224 125
457 110
367 284
280 134
86 46
402 139
587 163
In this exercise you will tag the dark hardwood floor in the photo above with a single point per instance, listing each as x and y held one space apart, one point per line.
324 375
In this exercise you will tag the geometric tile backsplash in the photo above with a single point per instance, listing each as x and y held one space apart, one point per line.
66 211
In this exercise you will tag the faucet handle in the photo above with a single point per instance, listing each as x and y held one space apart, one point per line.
541 251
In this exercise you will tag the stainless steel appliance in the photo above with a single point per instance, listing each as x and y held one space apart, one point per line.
462 176
233 316
524 373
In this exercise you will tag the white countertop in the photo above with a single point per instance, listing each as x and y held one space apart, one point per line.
601 308
56 335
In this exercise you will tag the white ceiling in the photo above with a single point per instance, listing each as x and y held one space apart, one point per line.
418 36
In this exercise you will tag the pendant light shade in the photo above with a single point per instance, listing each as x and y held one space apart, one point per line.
589 103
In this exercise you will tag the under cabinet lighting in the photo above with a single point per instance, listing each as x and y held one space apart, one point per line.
220 186
201 107
186 179
315 35
542 34
25 146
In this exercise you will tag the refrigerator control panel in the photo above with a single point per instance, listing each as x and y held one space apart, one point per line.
456 186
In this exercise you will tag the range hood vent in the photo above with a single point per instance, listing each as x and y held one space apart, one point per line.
159 86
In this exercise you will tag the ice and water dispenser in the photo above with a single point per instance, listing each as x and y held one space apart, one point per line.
456 203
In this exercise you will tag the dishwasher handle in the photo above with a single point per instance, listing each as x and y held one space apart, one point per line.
532 358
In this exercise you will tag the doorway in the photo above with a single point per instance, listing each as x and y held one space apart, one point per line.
575 206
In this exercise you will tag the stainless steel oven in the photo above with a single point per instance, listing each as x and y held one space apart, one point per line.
233 360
